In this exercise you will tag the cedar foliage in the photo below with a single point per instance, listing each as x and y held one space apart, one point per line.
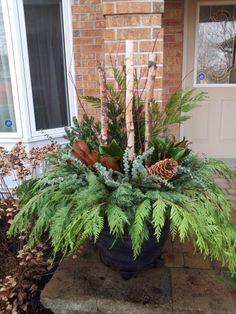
73 210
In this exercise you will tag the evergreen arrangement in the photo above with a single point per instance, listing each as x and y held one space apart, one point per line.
127 169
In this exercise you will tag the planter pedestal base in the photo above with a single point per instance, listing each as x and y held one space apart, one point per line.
85 285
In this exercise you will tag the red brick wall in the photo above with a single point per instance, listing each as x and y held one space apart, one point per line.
173 24
140 21
100 28
88 40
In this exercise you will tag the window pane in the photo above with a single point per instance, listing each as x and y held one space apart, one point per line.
7 114
216 62
44 30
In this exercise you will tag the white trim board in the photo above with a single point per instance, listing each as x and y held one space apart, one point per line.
18 53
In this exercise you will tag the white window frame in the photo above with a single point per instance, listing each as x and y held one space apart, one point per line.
199 5
13 77
23 85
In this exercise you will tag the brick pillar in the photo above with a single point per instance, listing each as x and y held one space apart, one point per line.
88 45
173 24
140 21
100 28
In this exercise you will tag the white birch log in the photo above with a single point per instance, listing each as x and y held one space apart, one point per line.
129 97
104 103
149 95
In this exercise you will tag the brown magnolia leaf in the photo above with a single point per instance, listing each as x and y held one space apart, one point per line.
111 162
81 151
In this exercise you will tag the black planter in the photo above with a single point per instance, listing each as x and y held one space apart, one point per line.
120 255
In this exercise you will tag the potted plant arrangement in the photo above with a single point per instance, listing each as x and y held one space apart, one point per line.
126 183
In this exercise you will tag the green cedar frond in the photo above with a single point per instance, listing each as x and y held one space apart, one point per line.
184 100
72 210
119 76
139 231
83 131
88 223
159 216
219 167
117 219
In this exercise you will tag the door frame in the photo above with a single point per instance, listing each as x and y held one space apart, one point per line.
185 47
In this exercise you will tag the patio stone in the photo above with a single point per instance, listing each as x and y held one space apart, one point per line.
168 247
201 290
232 198
189 312
233 218
182 247
187 284
197 260
223 182
173 259
232 191
85 285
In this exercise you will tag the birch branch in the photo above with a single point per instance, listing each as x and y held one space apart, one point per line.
97 134
104 103
129 97
150 87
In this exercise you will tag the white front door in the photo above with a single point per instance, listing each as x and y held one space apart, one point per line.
210 66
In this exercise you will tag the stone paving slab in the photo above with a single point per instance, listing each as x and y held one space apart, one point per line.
187 284
85 285
196 260
201 291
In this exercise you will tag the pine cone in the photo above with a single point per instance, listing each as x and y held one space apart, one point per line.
166 169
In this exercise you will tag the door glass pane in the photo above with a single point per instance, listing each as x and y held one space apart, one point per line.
46 51
216 54
7 114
